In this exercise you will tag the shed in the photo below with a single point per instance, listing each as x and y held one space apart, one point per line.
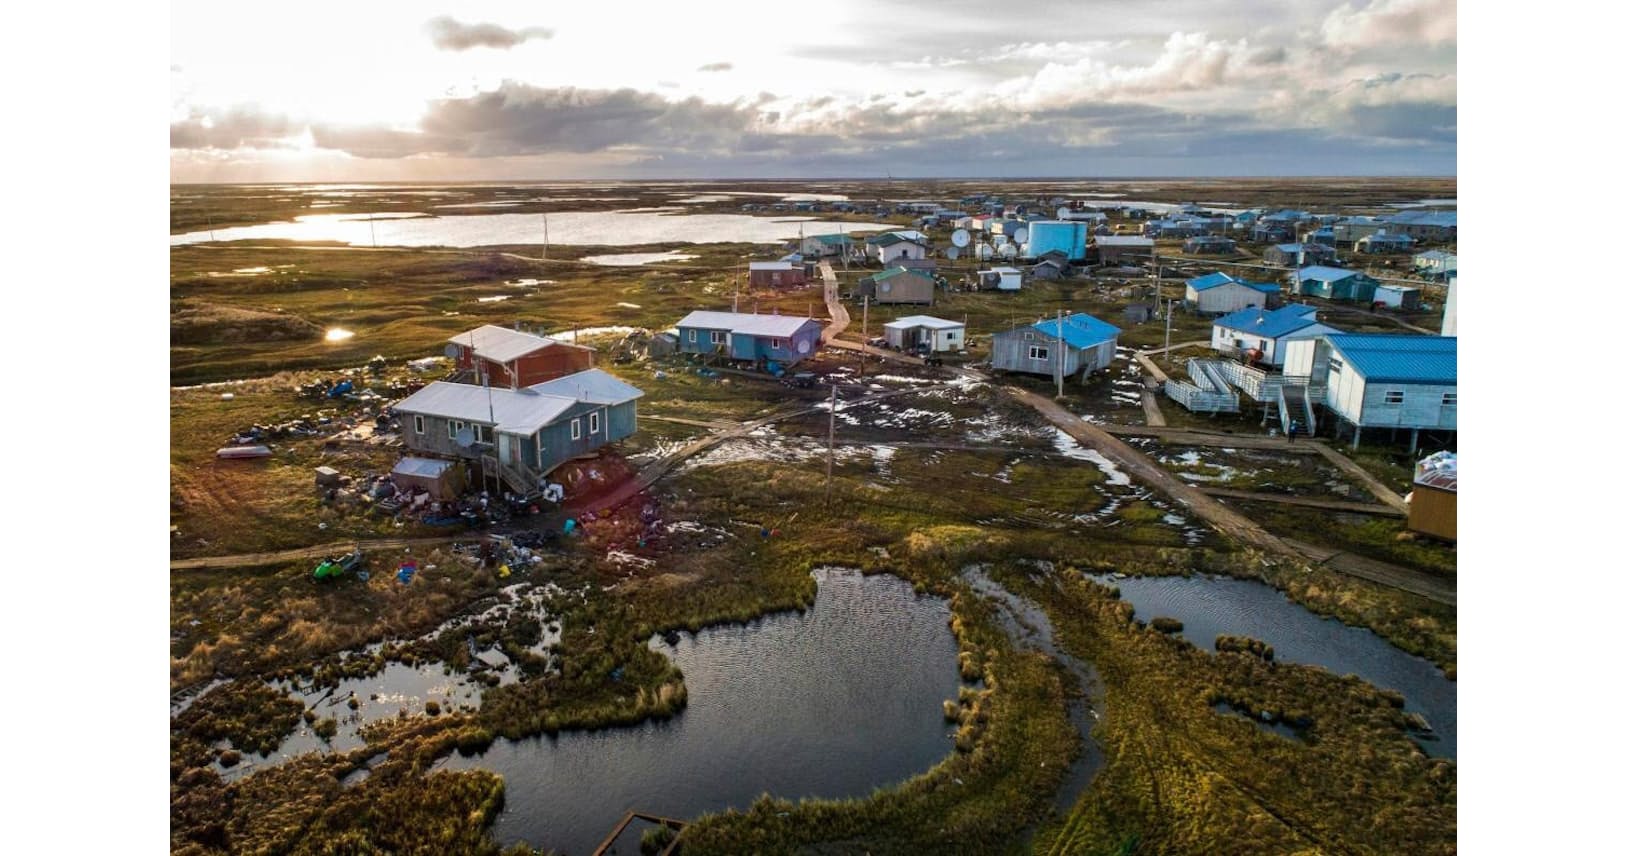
936 334
1398 296
514 358
441 478
1433 498
1000 278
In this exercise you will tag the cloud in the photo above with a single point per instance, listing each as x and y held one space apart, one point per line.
235 128
449 34
1385 23
716 66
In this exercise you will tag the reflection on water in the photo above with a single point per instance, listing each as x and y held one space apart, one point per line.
574 228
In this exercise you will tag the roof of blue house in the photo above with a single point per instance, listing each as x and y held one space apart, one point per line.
1079 330
1215 280
1322 273
1400 357
1271 324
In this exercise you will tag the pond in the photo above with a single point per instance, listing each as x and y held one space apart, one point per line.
834 702
564 228
1213 606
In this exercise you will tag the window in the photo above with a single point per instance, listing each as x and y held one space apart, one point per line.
417 423
575 429
951 335
453 426
1394 396
776 344
592 423
1448 399
692 335
718 337
1037 353
1334 364
482 434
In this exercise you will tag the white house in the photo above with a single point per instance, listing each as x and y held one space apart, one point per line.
1266 331
1218 293
1381 380
893 246
936 334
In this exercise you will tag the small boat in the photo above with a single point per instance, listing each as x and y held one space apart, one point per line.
238 453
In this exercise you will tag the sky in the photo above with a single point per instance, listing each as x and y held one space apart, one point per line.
440 91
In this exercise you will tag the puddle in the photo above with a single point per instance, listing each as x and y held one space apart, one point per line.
338 334
634 259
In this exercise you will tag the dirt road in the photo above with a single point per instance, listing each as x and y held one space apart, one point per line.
320 551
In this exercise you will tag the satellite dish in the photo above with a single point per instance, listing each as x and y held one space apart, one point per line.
452 350
1020 235
953 253
960 238
1022 250
1063 213
1008 251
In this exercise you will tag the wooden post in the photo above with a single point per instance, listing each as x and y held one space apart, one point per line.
830 447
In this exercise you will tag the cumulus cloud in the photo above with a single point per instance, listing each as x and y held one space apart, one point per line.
449 34
1389 22
716 66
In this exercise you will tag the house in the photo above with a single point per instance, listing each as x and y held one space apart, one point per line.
1172 229
1323 236
1138 313
520 435
1333 284
1384 241
1271 233
825 246
1435 263
1114 250
891 246
781 274
1433 499
1218 293
1381 380
785 339
512 358
934 334
1265 331
1398 296
898 285
1351 229
1298 255
1050 269
1076 345
1000 278
1424 225
1209 245
442 479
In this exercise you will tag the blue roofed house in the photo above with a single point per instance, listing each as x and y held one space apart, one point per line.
784 339
1333 284
1266 331
1423 225
1078 343
1383 242
1380 380
1218 293
1435 264
520 435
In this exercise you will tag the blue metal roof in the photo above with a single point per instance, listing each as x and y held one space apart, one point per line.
1424 218
1080 330
1215 280
1322 273
1271 324
1399 357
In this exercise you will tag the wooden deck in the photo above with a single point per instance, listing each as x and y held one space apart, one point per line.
632 815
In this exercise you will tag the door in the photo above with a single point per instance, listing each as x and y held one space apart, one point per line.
506 450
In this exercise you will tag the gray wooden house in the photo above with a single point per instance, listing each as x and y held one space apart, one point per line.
898 285
520 435
1080 343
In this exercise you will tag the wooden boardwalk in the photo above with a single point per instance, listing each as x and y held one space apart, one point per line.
628 818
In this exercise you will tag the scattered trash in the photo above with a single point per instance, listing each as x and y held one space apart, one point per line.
227 396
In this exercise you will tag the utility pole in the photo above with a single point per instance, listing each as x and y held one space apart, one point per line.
830 447
1061 352
1168 326
863 352
544 236
372 231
